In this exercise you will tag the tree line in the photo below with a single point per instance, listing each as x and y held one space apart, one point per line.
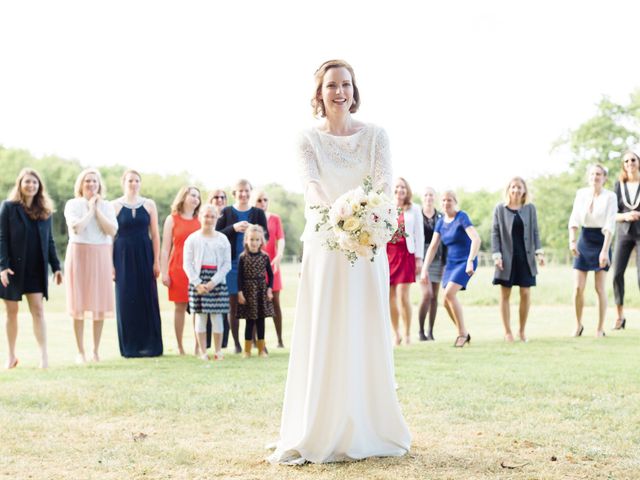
602 138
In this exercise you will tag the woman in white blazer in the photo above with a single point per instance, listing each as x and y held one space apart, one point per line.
405 253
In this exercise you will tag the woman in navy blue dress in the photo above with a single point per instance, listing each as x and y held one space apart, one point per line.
136 258
457 233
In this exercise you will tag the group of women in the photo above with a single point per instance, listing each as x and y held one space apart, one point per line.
118 242
451 245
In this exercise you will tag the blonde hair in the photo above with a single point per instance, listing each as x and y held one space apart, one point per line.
316 102
210 198
252 229
42 206
178 203
450 193
623 177
525 196
255 195
77 187
206 207
241 183
602 168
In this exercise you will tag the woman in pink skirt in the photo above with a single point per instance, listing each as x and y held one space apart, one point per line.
88 264
405 258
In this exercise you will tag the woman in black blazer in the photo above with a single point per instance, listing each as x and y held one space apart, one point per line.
233 222
627 191
26 247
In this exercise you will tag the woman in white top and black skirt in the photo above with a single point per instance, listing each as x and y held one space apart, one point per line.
594 209
627 190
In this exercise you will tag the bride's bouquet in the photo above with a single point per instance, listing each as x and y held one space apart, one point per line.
359 223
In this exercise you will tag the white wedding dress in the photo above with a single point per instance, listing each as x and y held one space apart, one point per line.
340 401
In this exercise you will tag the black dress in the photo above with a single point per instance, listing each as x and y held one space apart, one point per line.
27 248
34 262
137 309
520 271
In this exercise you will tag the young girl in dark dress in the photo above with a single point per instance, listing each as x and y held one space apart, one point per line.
255 284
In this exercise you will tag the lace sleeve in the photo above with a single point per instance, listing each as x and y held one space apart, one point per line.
307 161
309 172
382 171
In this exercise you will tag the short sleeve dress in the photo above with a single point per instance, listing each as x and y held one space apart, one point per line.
454 236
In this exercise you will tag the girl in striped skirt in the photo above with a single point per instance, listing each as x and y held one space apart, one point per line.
206 261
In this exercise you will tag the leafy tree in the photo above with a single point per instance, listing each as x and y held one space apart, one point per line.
603 138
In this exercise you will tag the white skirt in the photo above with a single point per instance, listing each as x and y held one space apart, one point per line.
340 401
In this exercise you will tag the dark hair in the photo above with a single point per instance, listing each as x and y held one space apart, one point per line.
316 102
41 207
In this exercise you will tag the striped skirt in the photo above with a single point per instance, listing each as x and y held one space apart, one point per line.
216 301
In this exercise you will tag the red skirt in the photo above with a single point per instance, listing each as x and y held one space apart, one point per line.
402 264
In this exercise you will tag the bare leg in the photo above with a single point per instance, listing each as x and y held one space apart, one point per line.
620 309
435 288
525 303
98 323
179 313
601 290
217 342
505 312
425 305
11 308
454 308
39 327
201 338
405 310
578 299
78 330
277 318
395 313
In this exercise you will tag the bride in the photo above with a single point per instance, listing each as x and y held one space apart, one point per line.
340 402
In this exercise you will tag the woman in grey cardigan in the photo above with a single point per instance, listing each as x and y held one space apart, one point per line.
515 244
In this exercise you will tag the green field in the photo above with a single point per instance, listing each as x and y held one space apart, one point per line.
556 407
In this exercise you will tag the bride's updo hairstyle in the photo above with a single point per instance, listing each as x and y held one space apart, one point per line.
316 102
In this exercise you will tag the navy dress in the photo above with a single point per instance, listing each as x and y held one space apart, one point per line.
520 271
137 308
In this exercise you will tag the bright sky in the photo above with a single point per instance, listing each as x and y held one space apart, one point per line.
470 92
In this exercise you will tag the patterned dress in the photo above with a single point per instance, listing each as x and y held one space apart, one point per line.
253 285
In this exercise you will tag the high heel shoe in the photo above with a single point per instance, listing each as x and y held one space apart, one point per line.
620 324
579 332
464 339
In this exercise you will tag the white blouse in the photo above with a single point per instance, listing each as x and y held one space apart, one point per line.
200 250
602 215
75 209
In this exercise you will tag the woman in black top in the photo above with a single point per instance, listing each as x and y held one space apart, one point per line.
26 248
628 230
233 222
429 303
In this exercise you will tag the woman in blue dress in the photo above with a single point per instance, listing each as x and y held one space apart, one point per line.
136 258
233 222
457 233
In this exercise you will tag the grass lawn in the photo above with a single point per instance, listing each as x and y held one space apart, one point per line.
556 407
